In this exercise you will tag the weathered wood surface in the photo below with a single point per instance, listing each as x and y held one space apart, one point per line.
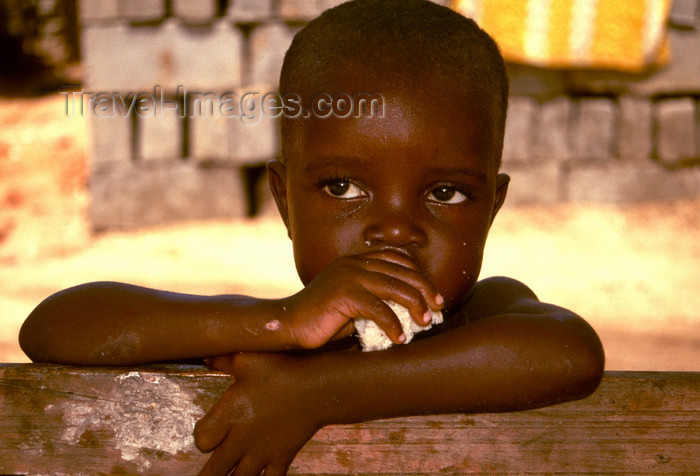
69 420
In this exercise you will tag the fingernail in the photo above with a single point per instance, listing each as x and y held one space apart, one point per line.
426 317
402 338
439 300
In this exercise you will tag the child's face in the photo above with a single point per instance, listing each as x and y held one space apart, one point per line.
419 181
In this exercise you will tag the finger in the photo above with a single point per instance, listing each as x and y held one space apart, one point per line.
390 288
392 257
347 330
212 428
248 467
397 266
223 459
372 308
276 469
223 363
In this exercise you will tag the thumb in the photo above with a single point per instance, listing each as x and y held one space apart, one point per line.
212 428
223 363
347 330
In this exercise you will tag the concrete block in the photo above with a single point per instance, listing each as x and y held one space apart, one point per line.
135 196
675 129
626 182
519 129
111 139
552 130
209 137
635 128
594 129
324 5
211 61
98 44
684 13
136 59
293 10
93 11
268 44
253 141
159 136
534 183
142 10
249 11
535 82
682 73
194 12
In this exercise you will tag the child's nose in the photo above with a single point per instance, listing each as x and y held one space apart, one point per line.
394 227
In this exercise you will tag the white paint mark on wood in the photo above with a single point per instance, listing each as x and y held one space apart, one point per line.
157 417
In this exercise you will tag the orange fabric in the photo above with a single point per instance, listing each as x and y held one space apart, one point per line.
626 35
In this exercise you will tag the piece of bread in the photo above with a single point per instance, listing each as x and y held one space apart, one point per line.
372 337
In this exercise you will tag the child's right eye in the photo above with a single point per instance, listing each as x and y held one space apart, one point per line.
342 188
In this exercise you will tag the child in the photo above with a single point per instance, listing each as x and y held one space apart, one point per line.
390 206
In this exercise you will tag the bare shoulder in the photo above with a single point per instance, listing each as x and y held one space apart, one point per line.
500 295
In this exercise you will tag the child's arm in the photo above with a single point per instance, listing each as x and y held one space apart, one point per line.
109 323
519 353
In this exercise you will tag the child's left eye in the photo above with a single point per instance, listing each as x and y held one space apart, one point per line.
446 194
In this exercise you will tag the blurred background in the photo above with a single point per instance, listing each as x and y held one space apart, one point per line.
602 143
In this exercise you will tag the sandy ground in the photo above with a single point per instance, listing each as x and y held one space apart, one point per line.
632 271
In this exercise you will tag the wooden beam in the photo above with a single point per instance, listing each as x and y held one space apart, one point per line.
68 420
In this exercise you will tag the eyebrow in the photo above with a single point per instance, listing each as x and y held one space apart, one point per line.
461 171
335 161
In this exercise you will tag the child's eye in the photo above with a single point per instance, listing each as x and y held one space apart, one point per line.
446 194
343 188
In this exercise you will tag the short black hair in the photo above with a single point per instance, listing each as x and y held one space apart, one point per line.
414 37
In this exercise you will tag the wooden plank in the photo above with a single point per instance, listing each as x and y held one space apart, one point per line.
68 420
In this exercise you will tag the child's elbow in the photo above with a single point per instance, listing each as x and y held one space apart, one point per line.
591 372
33 336
29 340
42 334
590 364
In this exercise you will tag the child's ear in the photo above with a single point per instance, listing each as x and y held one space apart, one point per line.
502 181
277 177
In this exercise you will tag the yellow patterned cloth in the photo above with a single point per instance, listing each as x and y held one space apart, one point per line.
626 35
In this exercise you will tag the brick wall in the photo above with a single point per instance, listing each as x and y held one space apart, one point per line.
571 136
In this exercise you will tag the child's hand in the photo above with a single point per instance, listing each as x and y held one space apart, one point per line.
222 363
261 422
354 287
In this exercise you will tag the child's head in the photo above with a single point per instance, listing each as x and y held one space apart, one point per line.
421 178
415 42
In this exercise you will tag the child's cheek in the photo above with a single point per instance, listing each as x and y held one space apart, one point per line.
456 273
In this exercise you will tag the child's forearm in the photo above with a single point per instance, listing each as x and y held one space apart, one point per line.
506 362
497 364
110 323
117 324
